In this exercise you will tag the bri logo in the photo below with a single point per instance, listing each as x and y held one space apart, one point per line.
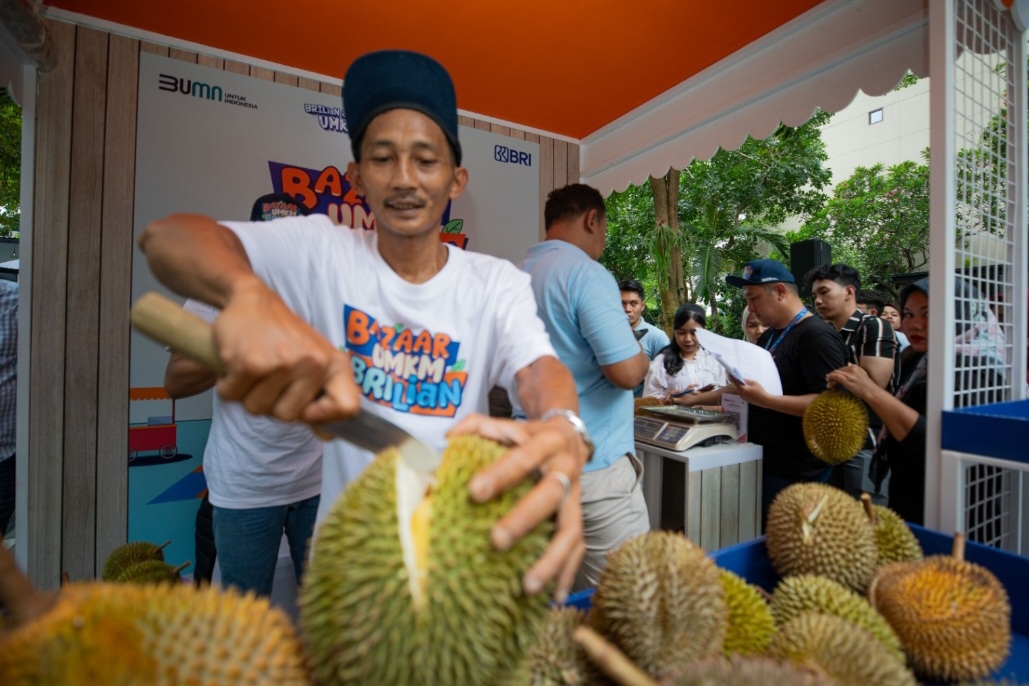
167 82
502 153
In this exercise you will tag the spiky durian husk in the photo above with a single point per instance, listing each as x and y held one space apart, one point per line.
747 671
660 600
953 617
125 556
835 426
751 625
817 529
849 654
893 538
796 595
555 659
149 572
160 635
357 610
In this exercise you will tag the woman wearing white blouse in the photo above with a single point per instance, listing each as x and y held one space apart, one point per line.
683 367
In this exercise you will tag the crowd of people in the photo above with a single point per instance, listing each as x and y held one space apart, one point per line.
854 339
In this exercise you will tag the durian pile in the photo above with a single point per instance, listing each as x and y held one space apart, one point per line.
856 604
141 562
404 588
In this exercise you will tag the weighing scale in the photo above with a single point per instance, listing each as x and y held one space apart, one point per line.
678 428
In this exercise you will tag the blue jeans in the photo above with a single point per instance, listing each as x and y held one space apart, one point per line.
772 484
247 542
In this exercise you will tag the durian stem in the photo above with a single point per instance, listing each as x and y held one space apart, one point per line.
180 567
610 659
818 509
866 500
959 546
159 548
17 594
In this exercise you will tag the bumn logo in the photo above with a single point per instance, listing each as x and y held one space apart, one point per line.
197 89
502 153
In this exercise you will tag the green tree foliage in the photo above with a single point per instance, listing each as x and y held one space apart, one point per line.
877 222
10 165
726 207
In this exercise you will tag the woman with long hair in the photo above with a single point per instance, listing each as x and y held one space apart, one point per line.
683 367
900 448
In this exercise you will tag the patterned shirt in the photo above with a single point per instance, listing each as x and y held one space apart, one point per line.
869 336
8 366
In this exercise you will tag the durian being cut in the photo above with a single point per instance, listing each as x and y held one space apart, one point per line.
404 586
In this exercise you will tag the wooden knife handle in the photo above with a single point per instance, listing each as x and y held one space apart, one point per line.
164 320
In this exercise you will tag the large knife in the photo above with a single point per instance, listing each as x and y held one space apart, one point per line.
166 322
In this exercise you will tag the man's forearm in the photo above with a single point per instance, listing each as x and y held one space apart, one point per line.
546 384
184 378
196 257
788 404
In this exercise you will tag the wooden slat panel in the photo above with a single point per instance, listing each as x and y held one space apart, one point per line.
573 163
288 79
207 61
465 121
332 89
309 84
729 525
759 511
501 130
560 164
482 125
546 177
517 133
83 316
750 500
693 506
710 507
262 73
184 55
49 280
237 67
115 290
153 48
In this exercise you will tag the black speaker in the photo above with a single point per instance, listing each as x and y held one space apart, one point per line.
805 256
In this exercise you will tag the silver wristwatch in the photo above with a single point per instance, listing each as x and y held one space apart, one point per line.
577 424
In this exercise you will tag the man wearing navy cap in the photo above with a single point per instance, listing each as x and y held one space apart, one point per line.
318 321
805 349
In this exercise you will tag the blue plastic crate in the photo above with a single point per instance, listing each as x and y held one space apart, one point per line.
997 430
750 561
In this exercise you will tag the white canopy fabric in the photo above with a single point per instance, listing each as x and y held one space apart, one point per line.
819 60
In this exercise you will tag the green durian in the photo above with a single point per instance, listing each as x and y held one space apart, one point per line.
751 624
893 538
849 654
405 587
125 556
555 659
747 671
796 595
151 572
835 426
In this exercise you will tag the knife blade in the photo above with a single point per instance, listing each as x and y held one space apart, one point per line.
166 322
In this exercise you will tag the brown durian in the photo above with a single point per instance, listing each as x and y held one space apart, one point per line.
660 601
817 529
747 671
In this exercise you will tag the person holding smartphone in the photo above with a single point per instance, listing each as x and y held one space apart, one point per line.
683 369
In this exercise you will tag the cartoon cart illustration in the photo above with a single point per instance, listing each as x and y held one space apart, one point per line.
160 437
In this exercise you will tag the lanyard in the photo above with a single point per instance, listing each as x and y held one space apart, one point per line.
770 346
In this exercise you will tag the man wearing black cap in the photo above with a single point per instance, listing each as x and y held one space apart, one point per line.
318 321
805 349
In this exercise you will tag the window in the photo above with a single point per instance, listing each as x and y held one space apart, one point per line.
875 116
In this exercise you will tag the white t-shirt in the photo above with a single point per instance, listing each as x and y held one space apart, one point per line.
253 461
424 355
700 371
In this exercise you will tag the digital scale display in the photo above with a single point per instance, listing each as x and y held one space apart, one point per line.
684 428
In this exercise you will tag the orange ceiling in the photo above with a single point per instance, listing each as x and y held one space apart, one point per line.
564 66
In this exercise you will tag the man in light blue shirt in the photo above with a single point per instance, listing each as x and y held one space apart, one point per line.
577 300
652 339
